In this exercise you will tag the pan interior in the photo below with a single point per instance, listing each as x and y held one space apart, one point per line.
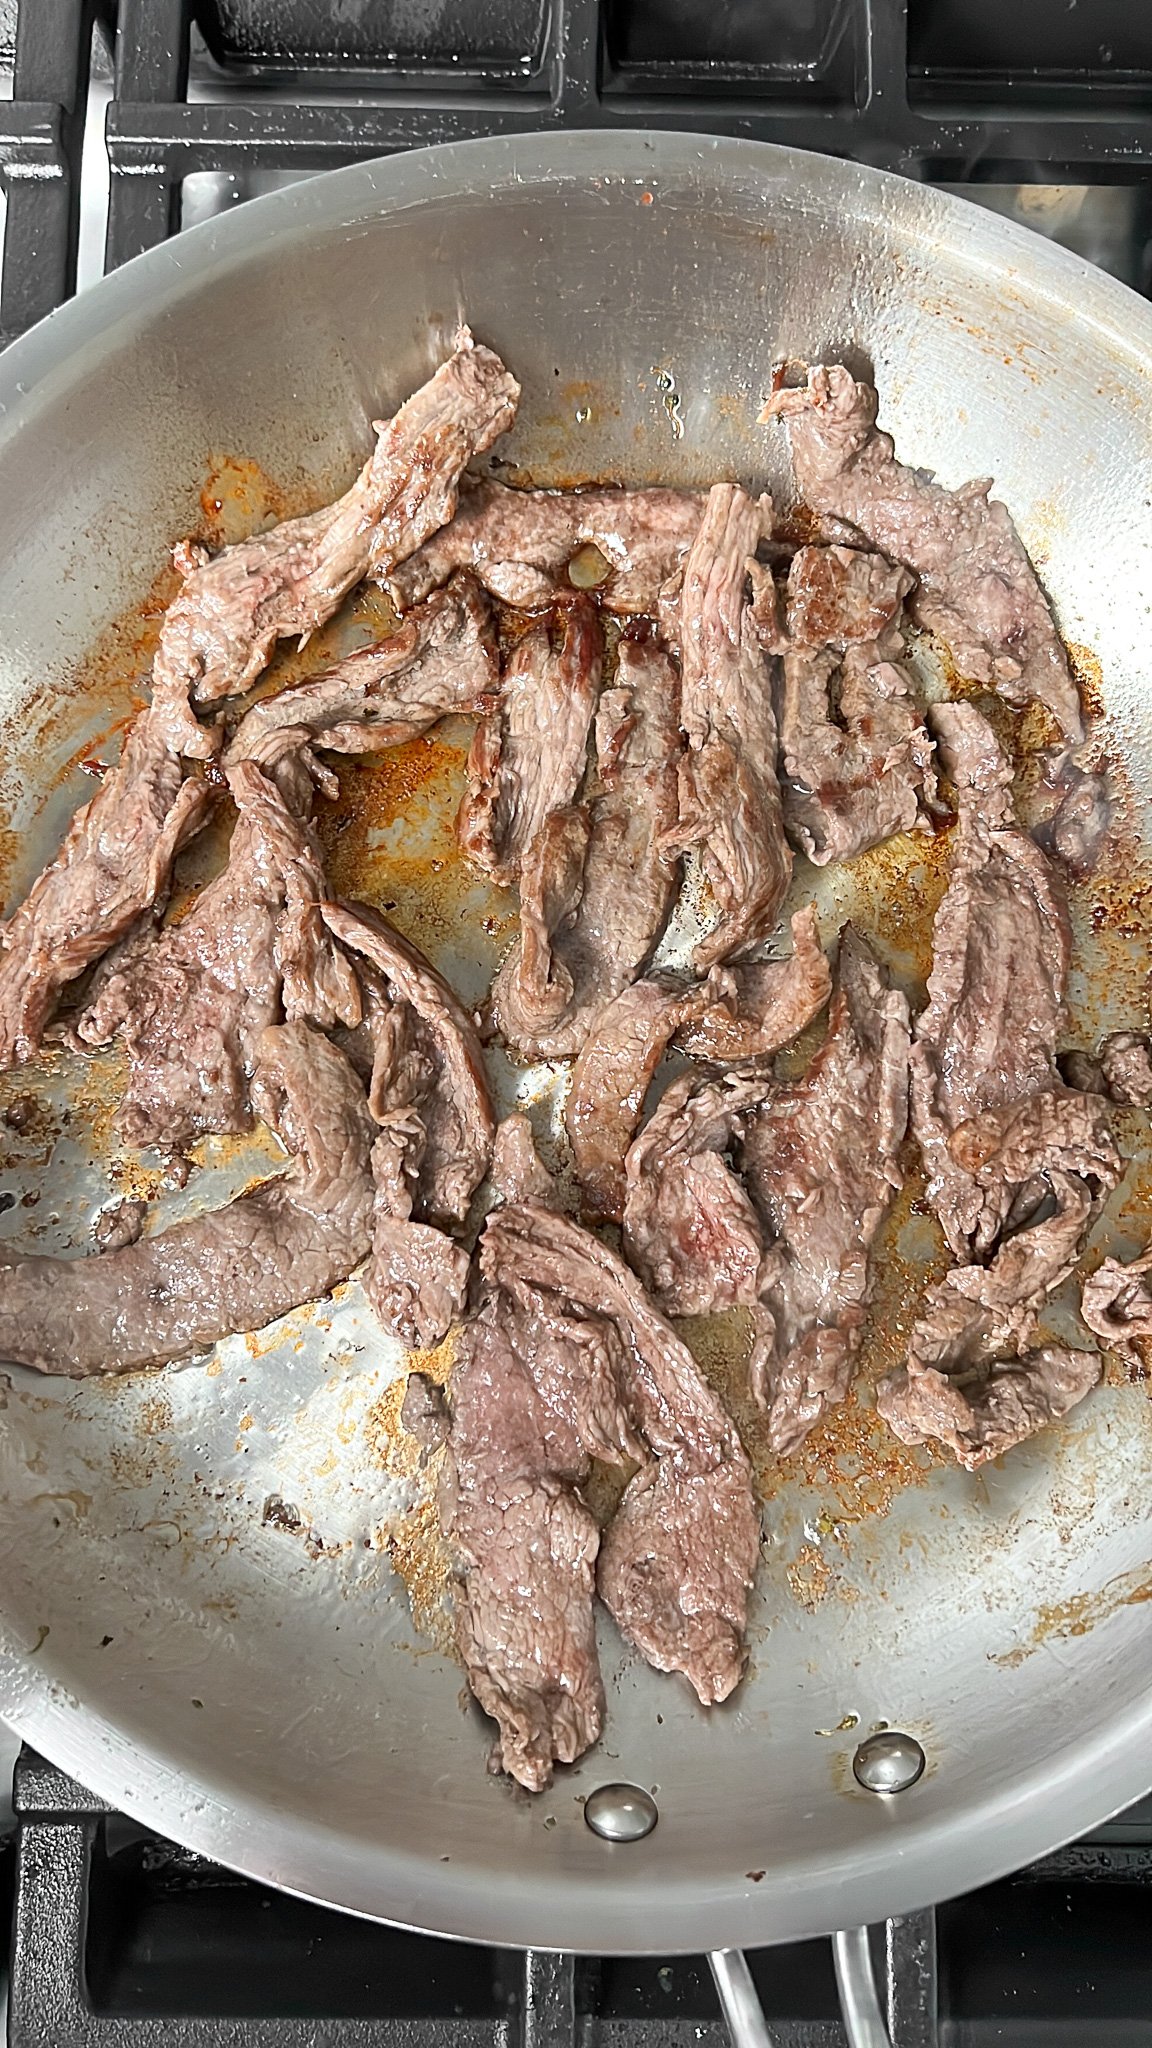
221 1594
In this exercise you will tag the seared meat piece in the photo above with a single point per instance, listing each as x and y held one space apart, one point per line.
287 1242
1126 1064
235 605
520 543
114 866
534 1396
116 861
1059 1130
429 1095
1081 822
772 1001
678 1560
529 754
858 760
1116 1304
980 1418
617 883
441 660
119 1225
518 1172
977 587
987 1039
611 1077
729 795
820 1162
690 1230
191 1001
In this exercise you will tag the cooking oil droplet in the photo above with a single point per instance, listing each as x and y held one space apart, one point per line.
583 415
670 399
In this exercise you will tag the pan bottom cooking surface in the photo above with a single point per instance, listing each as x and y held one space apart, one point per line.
117 1933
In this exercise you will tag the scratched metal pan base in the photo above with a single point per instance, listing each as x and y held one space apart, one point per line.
205 1575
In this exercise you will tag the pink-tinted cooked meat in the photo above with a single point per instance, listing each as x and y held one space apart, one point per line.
1121 1070
820 1161
429 1095
987 1039
677 1562
529 753
857 759
520 544
235 605
287 1242
441 660
690 1229
769 1003
977 587
1116 1304
190 1002
729 795
596 891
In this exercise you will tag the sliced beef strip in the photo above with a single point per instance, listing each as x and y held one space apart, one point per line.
534 988
1116 1304
288 1241
191 1001
987 1038
976 588
979 1419
441 660
611 909
235 605
857 758
529 754
520 543
456 1106
820 1161
678 1560
114 867
116 860
729 796
771 1003
1121 1069
518 1172
611 1077
690 1229
1080 824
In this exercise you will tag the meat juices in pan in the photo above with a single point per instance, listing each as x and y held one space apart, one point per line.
749 700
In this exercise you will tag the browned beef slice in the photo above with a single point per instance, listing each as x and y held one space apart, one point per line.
979 1419
519 543
820 1161
518 1172
288 1241
678 1560
441 660
1126 1063
235 605
1081 822
611 1077
417 1279
616 885
452 1098
770 1004
190 1002
114 865
987 1039
858 760
729 795
529 754
534 1395
977 587
1116 1304
690 1230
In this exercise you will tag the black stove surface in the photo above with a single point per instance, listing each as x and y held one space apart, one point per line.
122 1940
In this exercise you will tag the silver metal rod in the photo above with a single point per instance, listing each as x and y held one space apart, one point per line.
549 2000
910 1970
739 1999
863 2020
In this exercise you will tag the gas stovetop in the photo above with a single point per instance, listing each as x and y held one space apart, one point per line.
1043 110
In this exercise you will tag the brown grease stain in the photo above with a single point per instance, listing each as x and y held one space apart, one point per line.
414 1542
1065 1619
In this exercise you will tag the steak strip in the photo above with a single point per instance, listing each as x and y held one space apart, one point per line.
977 587
520 544
1116 1304
288 1241
729 795
600 887
192 1001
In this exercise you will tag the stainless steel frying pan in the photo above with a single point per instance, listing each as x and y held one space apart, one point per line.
260 1693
